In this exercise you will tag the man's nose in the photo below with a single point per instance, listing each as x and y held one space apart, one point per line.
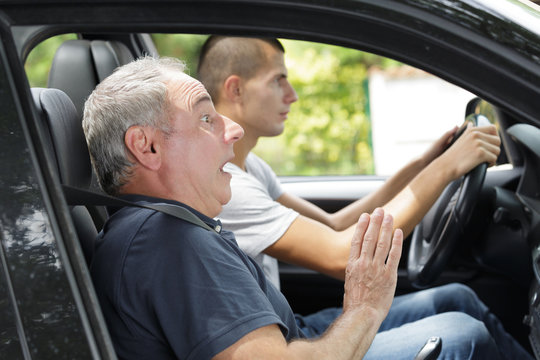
233 131
290 94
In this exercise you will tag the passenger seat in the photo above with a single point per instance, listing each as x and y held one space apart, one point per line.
78 66
64 139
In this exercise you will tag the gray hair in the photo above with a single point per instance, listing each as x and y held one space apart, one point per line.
135 94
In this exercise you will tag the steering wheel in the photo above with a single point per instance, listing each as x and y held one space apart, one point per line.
435 237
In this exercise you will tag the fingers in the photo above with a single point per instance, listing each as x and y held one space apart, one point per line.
488 129
492 153
447 136
358 237
371 237
439 146
487 143
371 275
395 251
487 133
385 239
374 238
478 144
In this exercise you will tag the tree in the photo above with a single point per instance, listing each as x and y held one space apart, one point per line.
328 130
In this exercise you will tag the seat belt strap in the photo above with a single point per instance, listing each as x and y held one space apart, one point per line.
77 196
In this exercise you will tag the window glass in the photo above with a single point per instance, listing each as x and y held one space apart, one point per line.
182 46
357 113
10 346
51 324
39 60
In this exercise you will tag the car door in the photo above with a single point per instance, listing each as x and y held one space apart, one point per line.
47 305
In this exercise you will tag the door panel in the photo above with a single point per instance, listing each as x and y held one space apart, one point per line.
41 302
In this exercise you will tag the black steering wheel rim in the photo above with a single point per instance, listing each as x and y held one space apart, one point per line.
435 238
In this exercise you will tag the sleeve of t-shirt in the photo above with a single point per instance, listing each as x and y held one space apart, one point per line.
207 296
264 173
254 216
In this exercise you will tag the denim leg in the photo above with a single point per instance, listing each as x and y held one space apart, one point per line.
315 324
463 337
453 297
421 304
411 308
405 309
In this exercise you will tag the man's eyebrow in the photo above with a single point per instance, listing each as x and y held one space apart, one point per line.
201 99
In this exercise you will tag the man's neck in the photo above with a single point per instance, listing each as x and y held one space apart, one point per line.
243 146
242 149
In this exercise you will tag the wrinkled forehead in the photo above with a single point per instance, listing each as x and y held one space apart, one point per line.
185 91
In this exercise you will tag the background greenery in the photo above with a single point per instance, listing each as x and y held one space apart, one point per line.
328 129
39 60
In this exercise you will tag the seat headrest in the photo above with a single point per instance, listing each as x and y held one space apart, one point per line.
66 138
79 65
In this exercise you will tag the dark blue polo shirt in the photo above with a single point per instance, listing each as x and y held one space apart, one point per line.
170 289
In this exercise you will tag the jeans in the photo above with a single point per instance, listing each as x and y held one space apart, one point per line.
453 312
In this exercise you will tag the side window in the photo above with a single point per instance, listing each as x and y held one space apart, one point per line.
357 113
40 296
39 60
410 109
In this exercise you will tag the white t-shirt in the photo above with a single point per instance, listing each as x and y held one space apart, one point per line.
253 213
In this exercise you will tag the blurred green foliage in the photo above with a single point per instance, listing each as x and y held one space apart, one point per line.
39 60
182 46
328 129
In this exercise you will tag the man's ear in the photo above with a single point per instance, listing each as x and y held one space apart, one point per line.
143 144
232 88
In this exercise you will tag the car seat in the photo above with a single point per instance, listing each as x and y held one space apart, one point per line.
65 141
78 66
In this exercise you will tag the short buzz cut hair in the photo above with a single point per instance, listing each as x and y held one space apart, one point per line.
223 56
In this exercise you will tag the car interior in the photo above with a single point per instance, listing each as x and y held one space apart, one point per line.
66 143
480 259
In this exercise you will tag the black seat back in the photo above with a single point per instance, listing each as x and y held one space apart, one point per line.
67 138
65 141
78 66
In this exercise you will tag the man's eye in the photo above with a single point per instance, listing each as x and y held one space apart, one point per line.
205 118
